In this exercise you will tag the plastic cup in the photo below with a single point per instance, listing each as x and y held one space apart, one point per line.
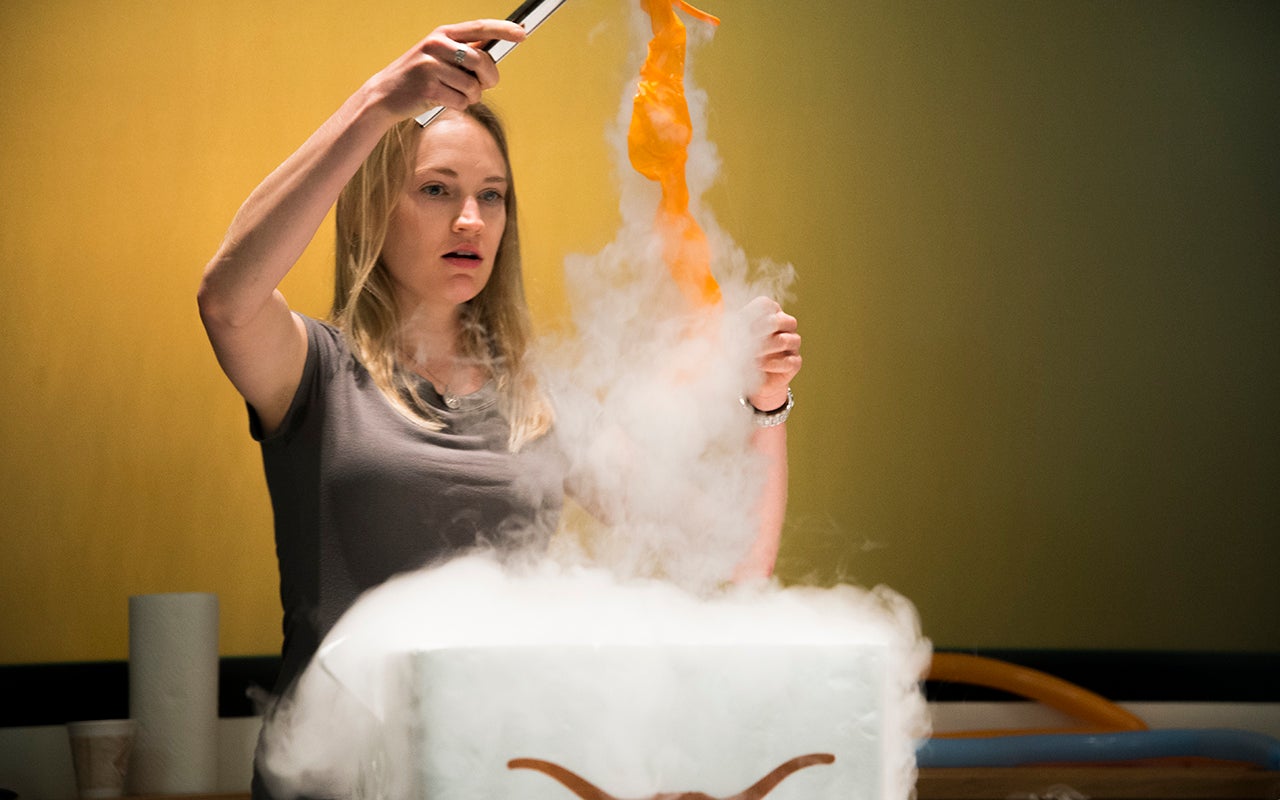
100 752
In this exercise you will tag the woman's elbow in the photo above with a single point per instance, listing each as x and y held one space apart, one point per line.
219 305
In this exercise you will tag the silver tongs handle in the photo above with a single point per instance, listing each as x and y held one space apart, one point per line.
529 16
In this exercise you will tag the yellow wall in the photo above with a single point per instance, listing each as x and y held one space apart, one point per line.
1038 285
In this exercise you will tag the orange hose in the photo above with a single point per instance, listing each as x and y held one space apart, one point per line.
1099 714
658 146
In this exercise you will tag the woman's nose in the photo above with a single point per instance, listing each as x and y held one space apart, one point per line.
468 218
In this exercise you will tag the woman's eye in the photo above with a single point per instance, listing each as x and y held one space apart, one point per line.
491 196
433 190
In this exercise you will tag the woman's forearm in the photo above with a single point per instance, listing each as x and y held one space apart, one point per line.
771 443
777 361
280 218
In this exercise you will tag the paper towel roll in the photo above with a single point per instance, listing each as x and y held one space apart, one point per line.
173 693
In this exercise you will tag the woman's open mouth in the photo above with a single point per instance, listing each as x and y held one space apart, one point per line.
463 258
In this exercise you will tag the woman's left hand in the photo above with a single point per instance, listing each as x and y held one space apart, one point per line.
777 355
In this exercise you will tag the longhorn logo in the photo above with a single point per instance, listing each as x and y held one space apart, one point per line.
587 791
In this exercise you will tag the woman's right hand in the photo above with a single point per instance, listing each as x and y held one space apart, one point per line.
431 75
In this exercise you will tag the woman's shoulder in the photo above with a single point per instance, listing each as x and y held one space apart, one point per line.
319 326
323 335
329 351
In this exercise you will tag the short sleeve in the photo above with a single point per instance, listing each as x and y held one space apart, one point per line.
324 350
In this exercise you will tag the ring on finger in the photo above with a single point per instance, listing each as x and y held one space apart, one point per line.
459 55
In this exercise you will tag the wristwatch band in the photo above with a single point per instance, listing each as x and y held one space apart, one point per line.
769 419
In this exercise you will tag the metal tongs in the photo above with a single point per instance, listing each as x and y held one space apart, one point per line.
529 16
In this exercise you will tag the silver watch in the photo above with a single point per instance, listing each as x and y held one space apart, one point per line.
768 419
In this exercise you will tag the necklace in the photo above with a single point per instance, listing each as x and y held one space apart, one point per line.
451 400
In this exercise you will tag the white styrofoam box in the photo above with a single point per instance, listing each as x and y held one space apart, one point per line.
433 682
640 721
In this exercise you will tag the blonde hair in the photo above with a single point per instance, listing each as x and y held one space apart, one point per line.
497 329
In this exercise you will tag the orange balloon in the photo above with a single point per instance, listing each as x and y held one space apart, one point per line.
658 146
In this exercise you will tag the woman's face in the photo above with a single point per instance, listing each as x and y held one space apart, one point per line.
443 235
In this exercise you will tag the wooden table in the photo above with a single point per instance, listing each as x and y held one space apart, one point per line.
1098 783
1052 783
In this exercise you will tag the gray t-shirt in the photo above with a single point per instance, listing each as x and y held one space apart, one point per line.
360 493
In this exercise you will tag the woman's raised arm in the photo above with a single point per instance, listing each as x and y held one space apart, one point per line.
259 343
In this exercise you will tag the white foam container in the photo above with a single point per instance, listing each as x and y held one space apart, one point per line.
637 721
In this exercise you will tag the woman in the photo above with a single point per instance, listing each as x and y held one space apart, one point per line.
410 426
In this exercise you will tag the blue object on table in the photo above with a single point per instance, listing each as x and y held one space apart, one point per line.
1225 744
